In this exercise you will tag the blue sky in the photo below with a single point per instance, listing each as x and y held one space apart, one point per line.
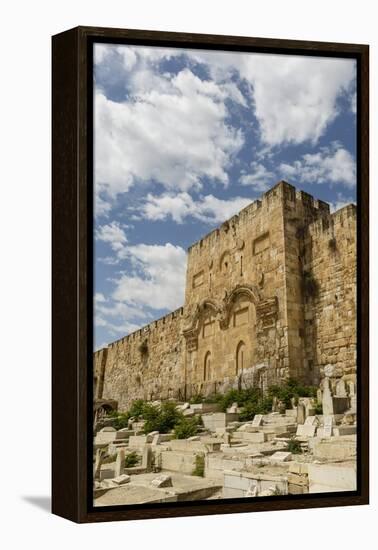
184 139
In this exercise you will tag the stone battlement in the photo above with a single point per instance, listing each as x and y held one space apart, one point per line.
281 194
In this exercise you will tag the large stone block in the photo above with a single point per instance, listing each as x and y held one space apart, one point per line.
332 477
212 421
175 461
253 437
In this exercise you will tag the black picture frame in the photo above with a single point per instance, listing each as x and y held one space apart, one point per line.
72 292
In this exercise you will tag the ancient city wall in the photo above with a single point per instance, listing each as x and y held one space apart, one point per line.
146 364
330 310
270 294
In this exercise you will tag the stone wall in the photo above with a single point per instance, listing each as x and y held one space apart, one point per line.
269 294
330 312
147 364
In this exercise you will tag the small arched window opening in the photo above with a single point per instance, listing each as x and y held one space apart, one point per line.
207 366
240 357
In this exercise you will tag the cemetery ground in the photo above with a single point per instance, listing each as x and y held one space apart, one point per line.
292 440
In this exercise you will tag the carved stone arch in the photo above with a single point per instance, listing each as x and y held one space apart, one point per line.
248 292
202 310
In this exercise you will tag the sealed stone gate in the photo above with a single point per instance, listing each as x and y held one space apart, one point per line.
270 294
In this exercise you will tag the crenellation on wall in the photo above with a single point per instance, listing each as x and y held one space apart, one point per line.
270 294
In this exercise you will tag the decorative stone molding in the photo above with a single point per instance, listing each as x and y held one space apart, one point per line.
266 313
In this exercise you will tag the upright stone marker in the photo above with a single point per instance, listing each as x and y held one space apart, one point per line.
327 398
98 462
301 413
341 389
257 420
120 463
147 457
328 426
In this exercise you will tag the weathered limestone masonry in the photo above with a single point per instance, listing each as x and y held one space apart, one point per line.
270 294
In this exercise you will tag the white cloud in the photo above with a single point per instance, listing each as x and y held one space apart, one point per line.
208 209
175 135
99 298
259 177
155 281
159 278
113 234
102 207
332 164
121 310
295 97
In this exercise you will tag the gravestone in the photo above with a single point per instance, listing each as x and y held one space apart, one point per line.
301 413
280 456
274 404
327 398
121 480
319 396
156 439
147 457
98 462
328 426
120 463
311 421
306 430
352 389
162 481
257 420
341 388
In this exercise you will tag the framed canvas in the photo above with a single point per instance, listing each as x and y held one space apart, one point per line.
210 274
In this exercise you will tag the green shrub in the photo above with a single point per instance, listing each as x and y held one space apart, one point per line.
291 389
131 460
241 397
310 284
186 427
199 469
197 398
318 408
162 419
294 447
137 408
250 409
120 420
214 398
